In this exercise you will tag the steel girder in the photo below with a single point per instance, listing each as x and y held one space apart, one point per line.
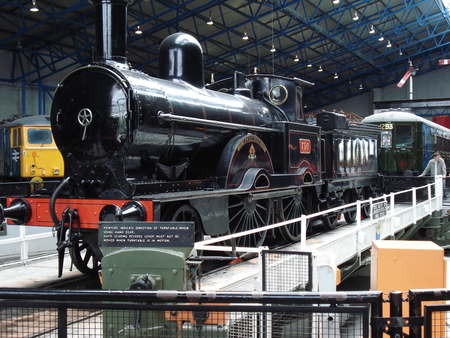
61 36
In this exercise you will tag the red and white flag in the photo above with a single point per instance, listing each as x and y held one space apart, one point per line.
404 79
444 62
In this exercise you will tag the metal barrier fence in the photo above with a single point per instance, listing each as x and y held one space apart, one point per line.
436 318
286 270
43 313
134 313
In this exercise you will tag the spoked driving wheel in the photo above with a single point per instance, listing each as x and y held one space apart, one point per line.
246 213
83 257
295 206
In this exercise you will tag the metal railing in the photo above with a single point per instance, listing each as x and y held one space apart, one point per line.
436 317
133 313
23 254
432 198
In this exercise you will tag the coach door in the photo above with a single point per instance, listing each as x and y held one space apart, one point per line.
4 140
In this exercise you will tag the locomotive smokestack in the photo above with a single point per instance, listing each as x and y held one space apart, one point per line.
111 29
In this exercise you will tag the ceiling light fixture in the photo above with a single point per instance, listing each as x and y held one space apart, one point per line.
320 69
381 38
245 37
356 17
372 29
34 8
138 30
335 2
389 45
361 87
296 58
273 50
336 76
309 65
210 22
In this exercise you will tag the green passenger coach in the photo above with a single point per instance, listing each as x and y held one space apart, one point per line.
407 142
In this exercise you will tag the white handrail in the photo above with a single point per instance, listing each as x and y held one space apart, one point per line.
435 201
23 239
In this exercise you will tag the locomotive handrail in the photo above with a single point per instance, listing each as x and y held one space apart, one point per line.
167 117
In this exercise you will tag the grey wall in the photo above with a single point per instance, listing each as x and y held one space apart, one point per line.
11 94
432 85
360 105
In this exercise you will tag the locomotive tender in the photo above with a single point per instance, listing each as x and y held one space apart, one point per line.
232 156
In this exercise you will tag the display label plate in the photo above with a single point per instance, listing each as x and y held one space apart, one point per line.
379 210
146 234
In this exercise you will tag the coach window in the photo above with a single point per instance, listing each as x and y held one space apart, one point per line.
439 142
403 136
16 137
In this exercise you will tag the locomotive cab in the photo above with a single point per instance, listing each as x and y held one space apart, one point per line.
283 94
28 150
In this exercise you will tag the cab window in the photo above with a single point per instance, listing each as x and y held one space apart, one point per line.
39 136
404 136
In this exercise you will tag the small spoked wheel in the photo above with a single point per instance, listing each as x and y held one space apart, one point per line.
83 257
185 213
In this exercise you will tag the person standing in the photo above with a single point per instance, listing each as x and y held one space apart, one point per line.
436 166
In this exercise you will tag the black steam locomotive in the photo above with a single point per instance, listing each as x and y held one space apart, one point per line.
235 155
